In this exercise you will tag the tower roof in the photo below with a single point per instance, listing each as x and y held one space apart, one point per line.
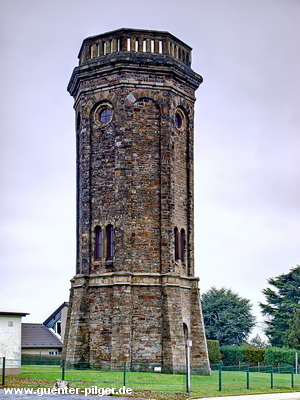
134 40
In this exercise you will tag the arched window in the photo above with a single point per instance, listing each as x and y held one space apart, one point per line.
176 244
182 246
98 243
109 242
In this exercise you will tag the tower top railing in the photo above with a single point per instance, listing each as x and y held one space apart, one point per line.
136 41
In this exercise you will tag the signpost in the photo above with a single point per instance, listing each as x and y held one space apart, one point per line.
189 344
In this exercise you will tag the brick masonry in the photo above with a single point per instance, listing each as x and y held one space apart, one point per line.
135 172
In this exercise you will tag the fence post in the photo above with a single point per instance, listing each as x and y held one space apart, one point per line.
63 370
248 377
272 378
124 374
220 377
3 371
292 377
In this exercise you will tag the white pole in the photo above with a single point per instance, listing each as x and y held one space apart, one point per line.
296 362
188 367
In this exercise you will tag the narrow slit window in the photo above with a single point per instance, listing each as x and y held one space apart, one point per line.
176 244
98 243
128 44
110 242
182 246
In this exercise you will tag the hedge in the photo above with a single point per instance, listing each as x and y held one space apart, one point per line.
253 355
214 353
232 355
39 359
279 355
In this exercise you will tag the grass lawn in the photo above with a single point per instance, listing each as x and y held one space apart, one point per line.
156 385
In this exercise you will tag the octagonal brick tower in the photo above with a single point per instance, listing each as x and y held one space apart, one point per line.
134 297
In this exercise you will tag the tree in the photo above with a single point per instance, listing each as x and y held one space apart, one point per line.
258 343
281 302
227 317
292 337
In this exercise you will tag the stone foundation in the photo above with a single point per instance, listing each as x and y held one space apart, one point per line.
135 318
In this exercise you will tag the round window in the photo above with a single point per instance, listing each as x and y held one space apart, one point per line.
105 115
178 120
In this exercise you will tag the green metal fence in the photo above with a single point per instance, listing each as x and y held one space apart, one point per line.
151 377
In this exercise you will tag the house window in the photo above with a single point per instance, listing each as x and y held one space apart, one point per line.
182 245
176 244
58 327
109 242
98 243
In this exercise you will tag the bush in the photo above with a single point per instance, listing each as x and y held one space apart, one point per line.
232 355
214 353
38 359
253 355
279 355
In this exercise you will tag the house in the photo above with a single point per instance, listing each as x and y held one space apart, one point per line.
38 339
47 338
10 340
30 338
57 320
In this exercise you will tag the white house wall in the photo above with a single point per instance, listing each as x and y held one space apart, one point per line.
10 341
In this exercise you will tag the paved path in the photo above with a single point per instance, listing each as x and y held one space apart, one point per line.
270 396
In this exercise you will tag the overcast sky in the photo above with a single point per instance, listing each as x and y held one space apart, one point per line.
247 139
